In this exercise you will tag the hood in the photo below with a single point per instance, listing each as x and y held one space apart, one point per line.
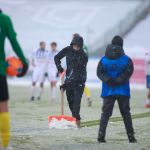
77 40
114 52
117 40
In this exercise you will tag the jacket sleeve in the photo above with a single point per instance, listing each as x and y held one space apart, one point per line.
11 34
125 76
59 56
101 74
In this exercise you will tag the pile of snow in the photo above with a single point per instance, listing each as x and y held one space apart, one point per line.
62 124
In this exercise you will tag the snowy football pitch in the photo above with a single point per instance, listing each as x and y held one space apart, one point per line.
30 129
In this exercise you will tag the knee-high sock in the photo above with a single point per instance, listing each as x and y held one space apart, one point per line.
53 92
5 129
40 92
33 91
87 92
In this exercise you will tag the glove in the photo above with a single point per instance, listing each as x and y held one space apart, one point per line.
63 87
111 82
24 70
60 70
119 81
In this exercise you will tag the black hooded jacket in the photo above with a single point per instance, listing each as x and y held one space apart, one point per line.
76 63
114 52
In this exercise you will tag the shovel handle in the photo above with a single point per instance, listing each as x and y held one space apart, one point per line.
62 75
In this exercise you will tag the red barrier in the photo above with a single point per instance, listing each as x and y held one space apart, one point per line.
139 71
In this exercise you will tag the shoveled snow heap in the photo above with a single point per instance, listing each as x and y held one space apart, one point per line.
62 124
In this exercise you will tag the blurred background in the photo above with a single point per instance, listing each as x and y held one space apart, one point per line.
96 20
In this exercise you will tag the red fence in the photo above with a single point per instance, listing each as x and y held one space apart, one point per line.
139 71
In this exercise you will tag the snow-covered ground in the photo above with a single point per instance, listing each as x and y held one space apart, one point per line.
30 128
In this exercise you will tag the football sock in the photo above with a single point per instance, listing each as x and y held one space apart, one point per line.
87 92
53 92
40 92
33 91
5 129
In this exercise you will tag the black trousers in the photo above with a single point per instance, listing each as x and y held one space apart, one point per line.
107 109
74 95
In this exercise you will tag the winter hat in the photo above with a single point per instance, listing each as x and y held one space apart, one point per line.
117 40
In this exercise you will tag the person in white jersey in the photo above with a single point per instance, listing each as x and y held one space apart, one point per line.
52 70
39 61
147 73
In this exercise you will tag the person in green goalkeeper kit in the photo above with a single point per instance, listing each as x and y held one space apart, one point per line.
86 88
7 31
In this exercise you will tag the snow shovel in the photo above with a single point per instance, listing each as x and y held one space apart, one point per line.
63 117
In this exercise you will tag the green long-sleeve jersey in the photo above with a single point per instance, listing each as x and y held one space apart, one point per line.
7 31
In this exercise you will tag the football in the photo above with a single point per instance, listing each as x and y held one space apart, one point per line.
14 66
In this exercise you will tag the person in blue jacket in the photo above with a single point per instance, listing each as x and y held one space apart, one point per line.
115 70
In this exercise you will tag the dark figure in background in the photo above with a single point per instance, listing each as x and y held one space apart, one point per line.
76 74
115 70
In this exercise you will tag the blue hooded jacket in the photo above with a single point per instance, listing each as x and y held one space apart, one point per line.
115 69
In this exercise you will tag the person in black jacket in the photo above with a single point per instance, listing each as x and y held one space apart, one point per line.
115 70
76 74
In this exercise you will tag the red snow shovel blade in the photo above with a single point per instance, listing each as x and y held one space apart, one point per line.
68 118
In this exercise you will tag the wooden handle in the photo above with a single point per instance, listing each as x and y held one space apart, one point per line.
62 94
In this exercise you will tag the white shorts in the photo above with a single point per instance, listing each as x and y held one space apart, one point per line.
52 74
38 75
